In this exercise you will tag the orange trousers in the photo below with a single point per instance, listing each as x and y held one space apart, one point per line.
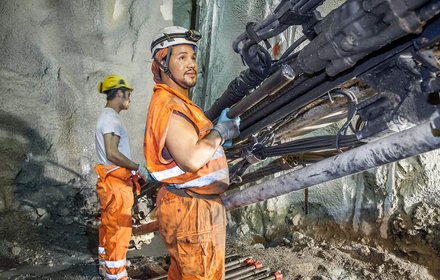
116 200
194 232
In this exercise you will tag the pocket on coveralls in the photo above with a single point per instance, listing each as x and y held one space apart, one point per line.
197 256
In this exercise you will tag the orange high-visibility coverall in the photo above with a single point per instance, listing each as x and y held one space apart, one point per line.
116 200
193 229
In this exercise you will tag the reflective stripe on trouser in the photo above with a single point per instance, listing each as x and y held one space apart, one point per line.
116 201
194 232
101 249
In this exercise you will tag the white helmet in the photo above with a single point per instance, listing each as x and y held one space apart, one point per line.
174 35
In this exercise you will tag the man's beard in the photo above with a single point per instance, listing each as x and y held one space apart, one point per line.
189 83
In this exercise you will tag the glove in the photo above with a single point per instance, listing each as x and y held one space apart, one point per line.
143 172
227 144
226 127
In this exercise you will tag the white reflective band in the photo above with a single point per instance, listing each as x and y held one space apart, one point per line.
218 153
166 174
176 171
116 276
101 262
115 264
205 180
113 169
101 250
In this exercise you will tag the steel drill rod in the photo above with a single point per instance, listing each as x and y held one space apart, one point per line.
237 261
256 265
235 266
275 276
398 146
271 85
249 274
231 256
260 276
272 277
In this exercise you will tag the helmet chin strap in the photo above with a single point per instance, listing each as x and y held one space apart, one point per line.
167 70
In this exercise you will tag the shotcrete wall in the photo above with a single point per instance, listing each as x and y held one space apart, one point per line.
53 54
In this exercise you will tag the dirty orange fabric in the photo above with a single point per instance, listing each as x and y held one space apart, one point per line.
194 232
116 200
193 229
164 102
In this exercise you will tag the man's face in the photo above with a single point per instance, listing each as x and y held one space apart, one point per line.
124 95
183 65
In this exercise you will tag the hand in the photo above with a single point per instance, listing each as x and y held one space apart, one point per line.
143 172
227 144
226 127
224 117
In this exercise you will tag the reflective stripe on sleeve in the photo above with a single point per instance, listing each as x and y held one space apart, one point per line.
205 180
168 173
176 171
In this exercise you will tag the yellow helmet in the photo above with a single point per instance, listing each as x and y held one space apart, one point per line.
113 81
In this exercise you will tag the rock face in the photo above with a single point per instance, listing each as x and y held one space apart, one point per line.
53 55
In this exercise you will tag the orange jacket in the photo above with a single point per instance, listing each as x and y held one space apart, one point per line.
213 178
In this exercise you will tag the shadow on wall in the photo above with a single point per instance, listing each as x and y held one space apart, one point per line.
23 156
19 144
35 211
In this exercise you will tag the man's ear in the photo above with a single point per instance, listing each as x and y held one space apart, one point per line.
120 93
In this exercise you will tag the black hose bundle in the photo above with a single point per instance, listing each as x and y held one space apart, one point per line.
256 56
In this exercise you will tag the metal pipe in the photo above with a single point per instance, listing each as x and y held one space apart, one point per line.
256 265
260 276
274 276
249 274
235 266
237 261
237 89
233 255
398 146
271 85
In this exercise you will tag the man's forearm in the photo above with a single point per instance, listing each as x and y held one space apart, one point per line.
120 160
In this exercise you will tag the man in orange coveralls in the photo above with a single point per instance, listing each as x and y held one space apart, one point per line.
114 185
184 150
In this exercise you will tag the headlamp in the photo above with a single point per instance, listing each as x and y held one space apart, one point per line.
193 35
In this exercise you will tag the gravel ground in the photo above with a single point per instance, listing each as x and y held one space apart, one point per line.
60 250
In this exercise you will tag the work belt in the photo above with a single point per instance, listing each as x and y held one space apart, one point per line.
189 193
